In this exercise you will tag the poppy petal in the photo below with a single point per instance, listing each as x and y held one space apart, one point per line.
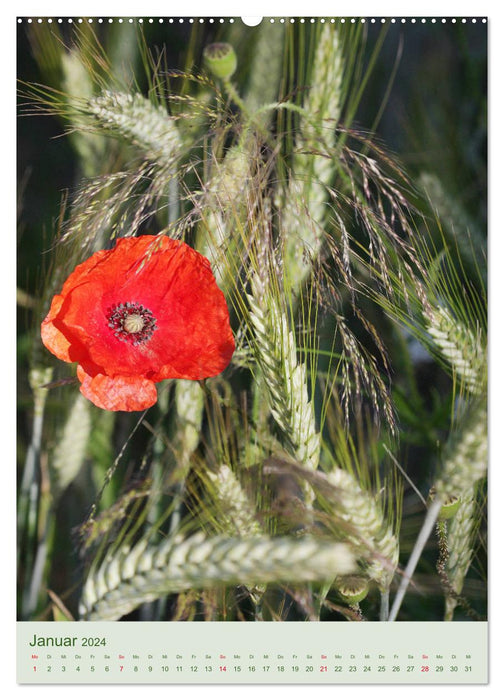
118 393
54 339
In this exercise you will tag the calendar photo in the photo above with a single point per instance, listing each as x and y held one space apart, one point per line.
252 349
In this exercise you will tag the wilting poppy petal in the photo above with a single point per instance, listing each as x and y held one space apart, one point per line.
118 393
148 309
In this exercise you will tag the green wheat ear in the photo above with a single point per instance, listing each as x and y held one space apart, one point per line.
461 348
370 532
236 512
91 147
228 194
265 69
306 211
466 457
189 404
145 573
461 539
285 376
139 122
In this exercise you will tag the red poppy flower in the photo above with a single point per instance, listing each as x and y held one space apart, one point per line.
148 310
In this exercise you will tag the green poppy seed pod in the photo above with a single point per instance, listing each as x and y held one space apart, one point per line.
450 505
220 59
352 589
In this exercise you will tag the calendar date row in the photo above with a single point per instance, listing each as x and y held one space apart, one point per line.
267 668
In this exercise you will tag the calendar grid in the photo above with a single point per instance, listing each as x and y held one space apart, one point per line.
216 652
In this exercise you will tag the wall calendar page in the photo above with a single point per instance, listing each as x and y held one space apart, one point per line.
252 350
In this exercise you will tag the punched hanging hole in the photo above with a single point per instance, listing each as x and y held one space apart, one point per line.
251 21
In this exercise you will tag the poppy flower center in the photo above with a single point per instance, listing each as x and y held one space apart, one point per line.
131 322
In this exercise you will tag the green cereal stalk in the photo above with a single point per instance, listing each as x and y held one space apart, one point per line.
323 103
225 200
100 209
34 504
460 347
189 404
464 466
138 121
266 68
236 516
305 212
148 127
465 463
370 531
71 448
30 508
38 378
466 459
285 376
236 513
91 148
145 573
460 541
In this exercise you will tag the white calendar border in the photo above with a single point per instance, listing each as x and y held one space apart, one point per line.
255 8
271 9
